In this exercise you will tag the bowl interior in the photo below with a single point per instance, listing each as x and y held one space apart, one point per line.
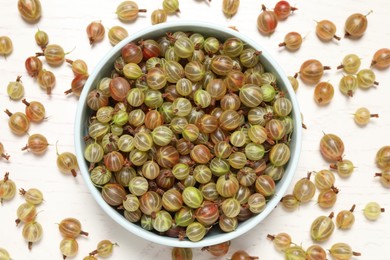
103 69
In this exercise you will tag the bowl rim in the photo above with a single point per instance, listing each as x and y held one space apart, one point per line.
243 227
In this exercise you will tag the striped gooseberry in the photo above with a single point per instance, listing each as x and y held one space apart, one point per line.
68 247
18 122
158 16
283 9
227 224
37 144
113 194
33 65
116 34
322 228
25 213
207 214
179 253
350 64
345 218
292 41
326 30
6 46
348 85
71 227
15 89
95 32
281 241
218 249
304 189
362 116
311 71
344 167
342 251
314 252
366 78
381 59
323 93
32 232
46 80
227 185
267 21
382 157
7 188
356 25
127 11
265 185
230 7
372 210
195 231
327 198
279 154
30 10
331 147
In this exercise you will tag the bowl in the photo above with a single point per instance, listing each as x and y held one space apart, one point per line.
104 68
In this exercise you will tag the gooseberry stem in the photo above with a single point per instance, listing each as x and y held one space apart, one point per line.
24 101
353 208
8 112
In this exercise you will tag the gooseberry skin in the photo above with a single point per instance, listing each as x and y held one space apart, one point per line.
230 7
362 116
348 85
158 16
68 247
218 249
46 80
342 251
15 89
331 147
18 122
180 253
4 254
171 6
116 34
292 41
95 32
54 55
326 30
266 21
356 25
322 228
6 46
323 93
366 78
26 212
30 10
382 157
41 38
281 241
381 59
345 218
37 144
242 255
33 66
2 153
311 71
32 232
7 188
127 11
283 9
350 64
372 211
315 252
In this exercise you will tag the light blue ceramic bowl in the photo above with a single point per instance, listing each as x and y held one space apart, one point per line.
104 68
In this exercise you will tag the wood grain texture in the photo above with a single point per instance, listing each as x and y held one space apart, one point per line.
65 196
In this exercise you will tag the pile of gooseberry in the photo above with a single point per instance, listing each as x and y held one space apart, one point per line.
188 129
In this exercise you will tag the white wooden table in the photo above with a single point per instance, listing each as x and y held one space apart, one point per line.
65 196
